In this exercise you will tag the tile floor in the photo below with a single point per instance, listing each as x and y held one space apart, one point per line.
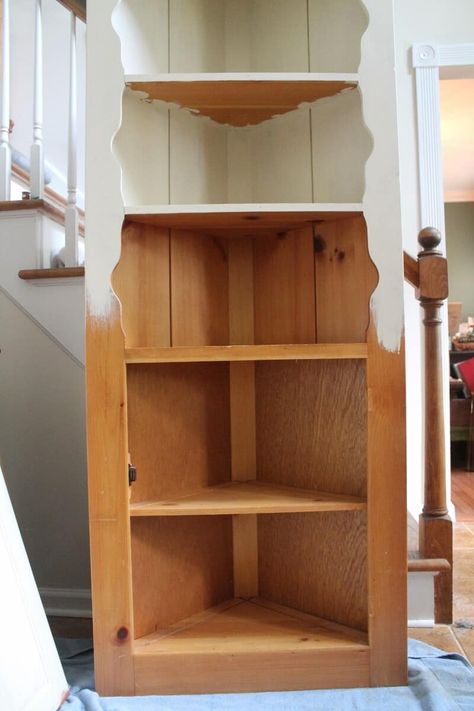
459 637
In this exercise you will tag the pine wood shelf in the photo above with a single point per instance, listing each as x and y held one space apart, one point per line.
241 99
230 219
197 354
251 497
313 652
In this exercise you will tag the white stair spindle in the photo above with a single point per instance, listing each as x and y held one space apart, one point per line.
72 218
37 158
5 150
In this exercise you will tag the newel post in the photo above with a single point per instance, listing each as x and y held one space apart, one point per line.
435 523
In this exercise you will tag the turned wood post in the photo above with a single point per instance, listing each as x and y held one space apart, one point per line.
435 523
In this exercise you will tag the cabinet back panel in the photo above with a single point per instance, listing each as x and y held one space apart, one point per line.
345 280
141 281
240 35
284 288
316 563
199 290
311 420
179 428
180 567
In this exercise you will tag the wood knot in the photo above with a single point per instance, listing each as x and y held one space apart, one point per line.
122 634
319 244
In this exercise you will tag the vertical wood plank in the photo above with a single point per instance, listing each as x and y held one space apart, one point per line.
107 454
284 288
387 514
345 279
199 290
142 283
242 411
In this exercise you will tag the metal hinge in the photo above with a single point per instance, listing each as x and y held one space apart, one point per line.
132 474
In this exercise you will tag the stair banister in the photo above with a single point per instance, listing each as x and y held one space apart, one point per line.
429 276
37 151
71 214
5 150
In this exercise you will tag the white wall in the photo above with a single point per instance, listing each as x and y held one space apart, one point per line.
56 85
460 248
42 449
444 22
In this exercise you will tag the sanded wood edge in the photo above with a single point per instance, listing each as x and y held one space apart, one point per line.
63 273
251 672
411 270
387 551
428 565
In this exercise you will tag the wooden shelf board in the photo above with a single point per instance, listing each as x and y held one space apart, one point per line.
200 354
200 654
241 99
241 219
250 497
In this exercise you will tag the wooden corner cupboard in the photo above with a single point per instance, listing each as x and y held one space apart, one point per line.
245 426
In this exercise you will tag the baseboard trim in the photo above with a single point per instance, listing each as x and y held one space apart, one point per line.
66 602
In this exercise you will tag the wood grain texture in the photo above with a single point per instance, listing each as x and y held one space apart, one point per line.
141 281
345 280
179 429
304 351
312 425
242 413
237 102
284 288
387 514
249 646
180 567
108 503
248 497
305 562
199 290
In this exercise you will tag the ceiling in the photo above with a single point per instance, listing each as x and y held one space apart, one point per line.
457 136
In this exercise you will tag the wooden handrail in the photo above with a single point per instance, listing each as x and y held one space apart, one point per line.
429 276
410 266
77 7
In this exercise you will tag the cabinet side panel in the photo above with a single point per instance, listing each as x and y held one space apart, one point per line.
345 280
312 425
335 31
179 429
284 288
108 504
387 514
316 564
142 283
181 566
143 31
199 290
341 145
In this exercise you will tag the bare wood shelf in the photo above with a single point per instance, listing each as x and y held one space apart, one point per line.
241 219
241 99
251 497
196 354
315 653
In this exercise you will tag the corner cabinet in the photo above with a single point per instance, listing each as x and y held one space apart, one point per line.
245 418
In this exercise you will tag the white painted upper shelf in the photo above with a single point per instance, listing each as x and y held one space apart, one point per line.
241 99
